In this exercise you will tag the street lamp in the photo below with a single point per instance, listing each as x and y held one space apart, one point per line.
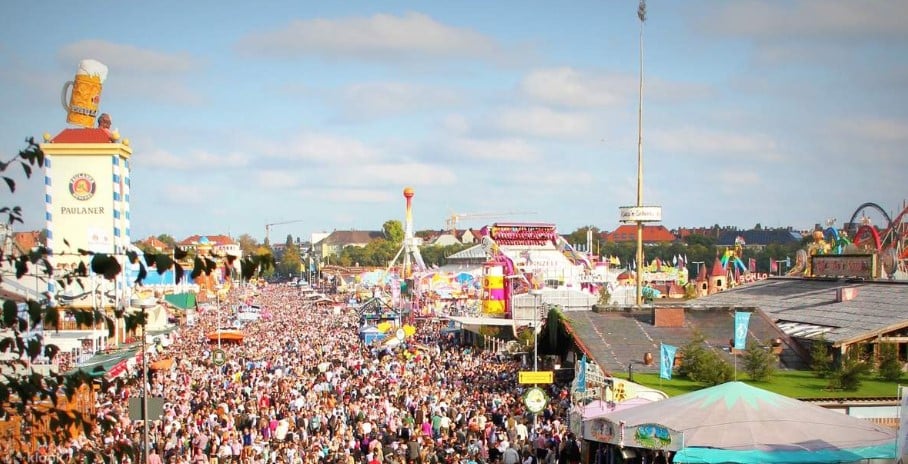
536 294
144 305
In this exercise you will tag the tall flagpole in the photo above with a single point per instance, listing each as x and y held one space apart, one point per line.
641 13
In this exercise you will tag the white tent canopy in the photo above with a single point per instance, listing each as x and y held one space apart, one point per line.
737 423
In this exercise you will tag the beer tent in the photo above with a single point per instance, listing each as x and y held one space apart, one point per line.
738 423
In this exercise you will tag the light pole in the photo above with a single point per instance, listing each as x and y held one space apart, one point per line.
218 300
144 305
536 293
641 13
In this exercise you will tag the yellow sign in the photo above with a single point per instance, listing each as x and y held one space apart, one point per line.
535 377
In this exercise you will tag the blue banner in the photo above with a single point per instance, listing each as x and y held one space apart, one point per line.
581 376
741 322
667 360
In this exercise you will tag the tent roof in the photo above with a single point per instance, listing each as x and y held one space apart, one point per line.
736 422
100 364
181 300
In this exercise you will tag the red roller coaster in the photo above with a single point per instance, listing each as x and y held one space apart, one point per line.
888 242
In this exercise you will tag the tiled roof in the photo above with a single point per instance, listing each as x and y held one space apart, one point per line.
85 135
877 307
193 240
651 234
472 253
27 240
759 237
350 237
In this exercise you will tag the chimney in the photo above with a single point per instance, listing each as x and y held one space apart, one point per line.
845 294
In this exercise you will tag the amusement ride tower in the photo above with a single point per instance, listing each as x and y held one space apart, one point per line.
410 246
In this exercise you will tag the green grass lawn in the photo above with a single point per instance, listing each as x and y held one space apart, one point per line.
795 384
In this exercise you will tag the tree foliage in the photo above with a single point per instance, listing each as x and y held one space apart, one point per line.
890 367
393 231
700 363
820 359
759 362
848 372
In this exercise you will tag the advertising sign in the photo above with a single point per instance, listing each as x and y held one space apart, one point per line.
640 213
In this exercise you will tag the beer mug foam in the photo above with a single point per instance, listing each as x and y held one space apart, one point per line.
82 104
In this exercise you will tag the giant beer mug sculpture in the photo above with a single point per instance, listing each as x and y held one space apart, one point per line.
81 104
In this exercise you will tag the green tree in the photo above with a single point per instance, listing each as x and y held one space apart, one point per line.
759 363
820 360
248 245
291 261
890 367
168 240
702 364
847 375
394 231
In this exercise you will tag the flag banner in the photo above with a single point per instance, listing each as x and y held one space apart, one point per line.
773 265
752 265
741 322
581 376
666 360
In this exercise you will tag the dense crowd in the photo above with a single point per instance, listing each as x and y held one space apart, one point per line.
303 388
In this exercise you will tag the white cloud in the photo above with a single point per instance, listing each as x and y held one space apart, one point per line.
391 98
349 195
828 19
395 174
707 142
127 58
876 129
186 194
191 160
552 178
277 179
544 122
572 88
322 149
505 149
379 37
456 124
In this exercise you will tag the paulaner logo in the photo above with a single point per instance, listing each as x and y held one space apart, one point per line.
82 186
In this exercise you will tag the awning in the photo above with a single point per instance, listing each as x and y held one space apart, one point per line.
182 300
112 364
161 364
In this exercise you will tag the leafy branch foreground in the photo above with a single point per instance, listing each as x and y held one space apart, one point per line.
30 400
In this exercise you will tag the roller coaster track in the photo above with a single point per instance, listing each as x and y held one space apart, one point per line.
893 236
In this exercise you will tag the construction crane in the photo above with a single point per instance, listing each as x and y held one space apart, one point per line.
268 228
455 218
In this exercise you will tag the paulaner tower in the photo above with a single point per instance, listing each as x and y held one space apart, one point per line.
86 195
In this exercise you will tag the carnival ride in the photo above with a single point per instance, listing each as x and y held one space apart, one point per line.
410 246
732 257
452 220
861 236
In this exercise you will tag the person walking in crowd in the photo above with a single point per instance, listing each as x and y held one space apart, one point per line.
303 388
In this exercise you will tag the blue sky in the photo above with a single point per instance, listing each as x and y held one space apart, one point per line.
783 113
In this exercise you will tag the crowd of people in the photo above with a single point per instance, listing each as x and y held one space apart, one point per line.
302 387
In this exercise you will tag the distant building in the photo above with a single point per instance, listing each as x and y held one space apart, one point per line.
29 240
216 244
759 238
334 243
152 243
